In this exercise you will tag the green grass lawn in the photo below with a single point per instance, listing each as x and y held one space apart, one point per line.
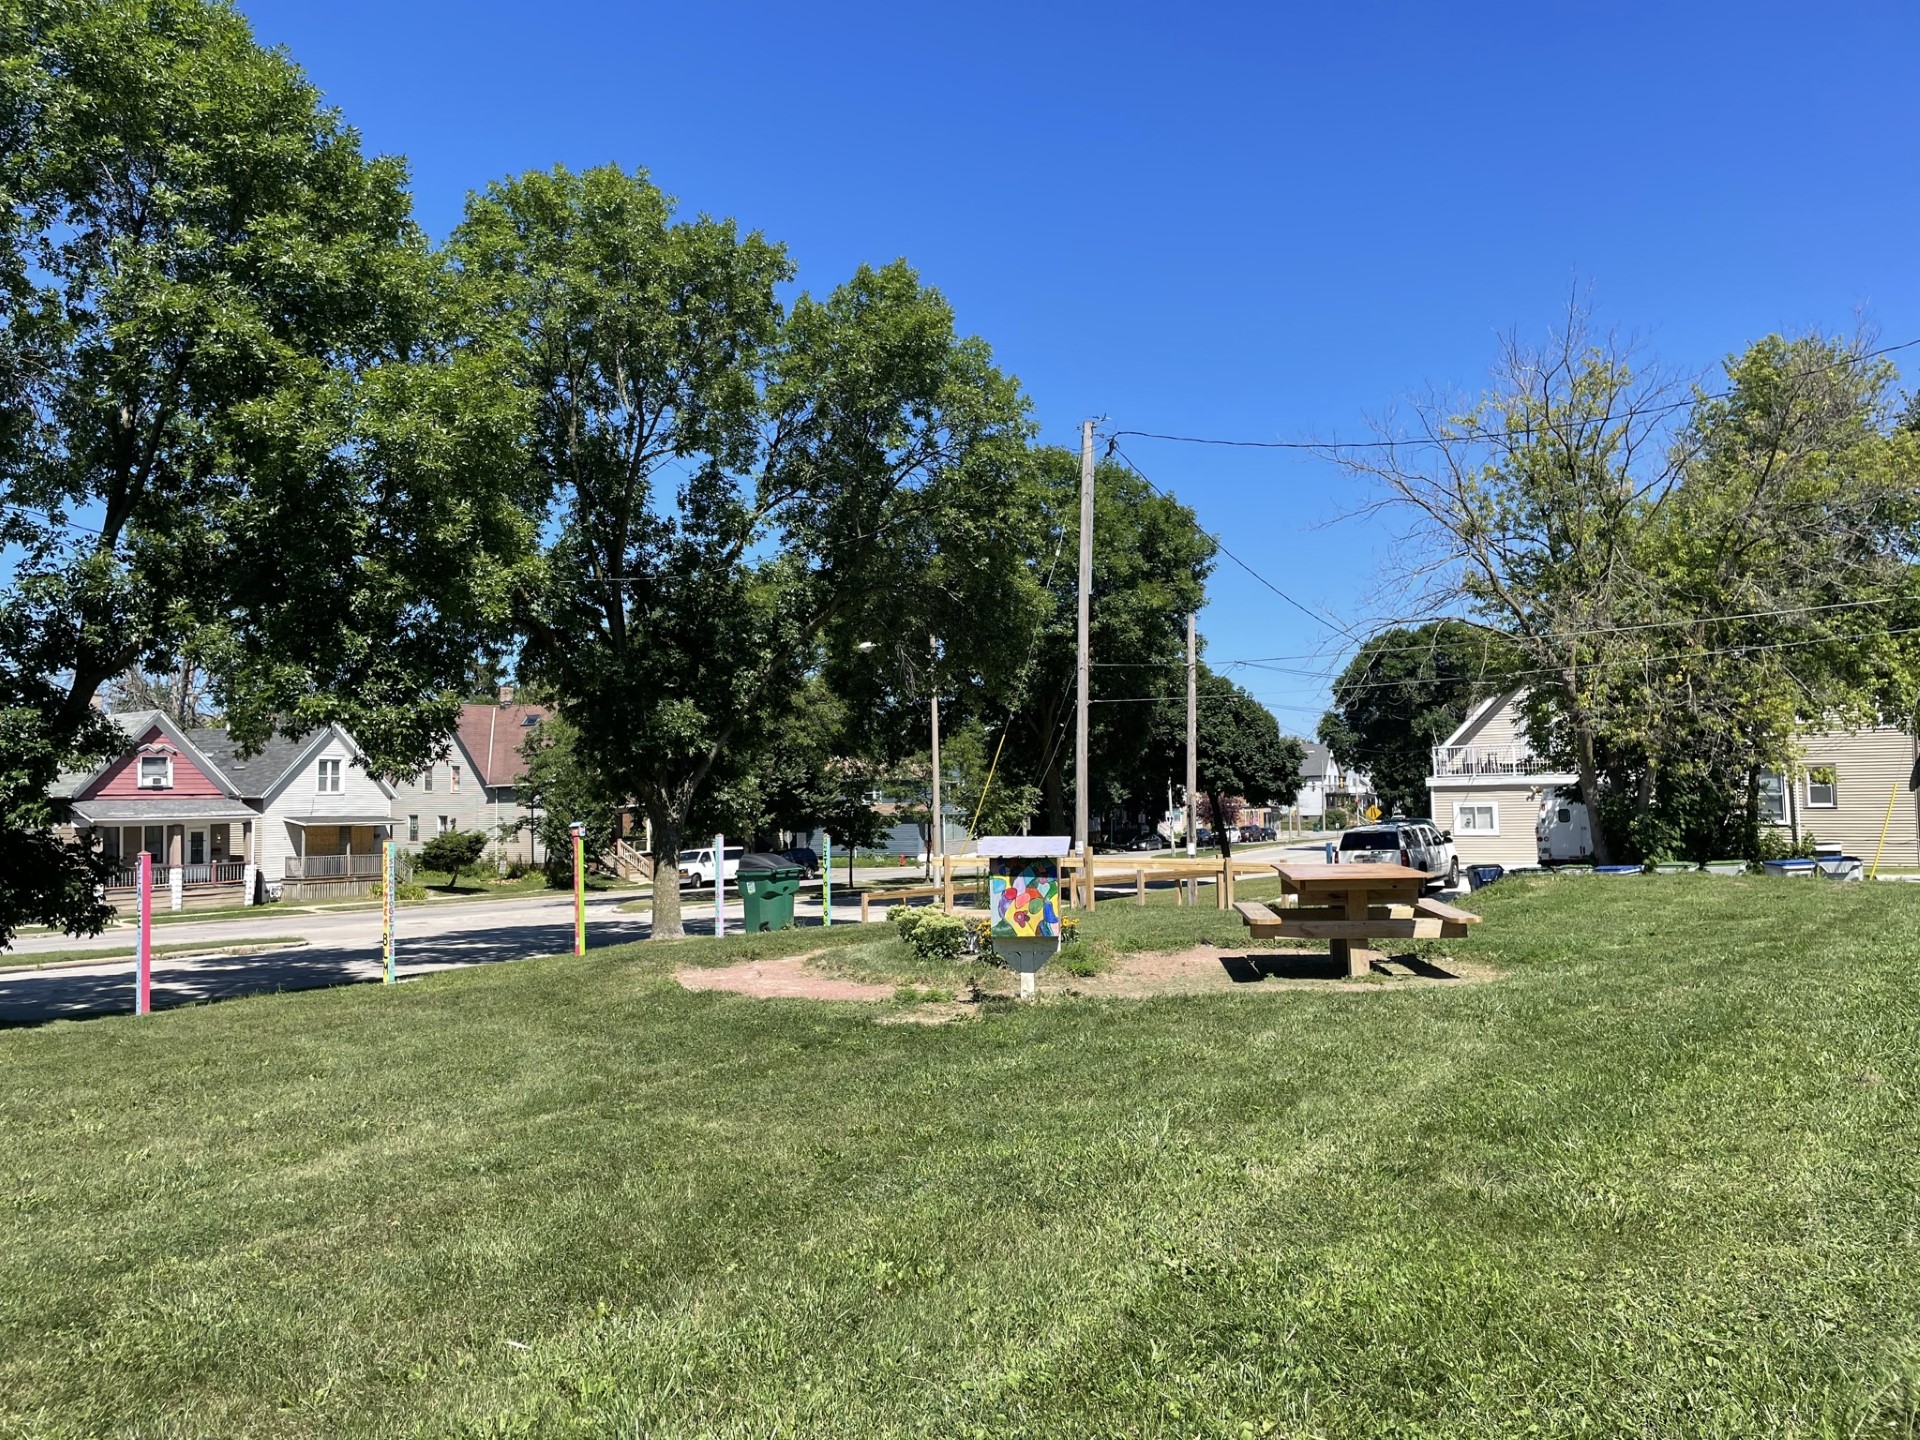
1658 1180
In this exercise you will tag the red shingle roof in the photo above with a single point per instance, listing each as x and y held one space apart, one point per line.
493 735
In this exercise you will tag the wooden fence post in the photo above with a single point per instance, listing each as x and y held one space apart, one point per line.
1140 887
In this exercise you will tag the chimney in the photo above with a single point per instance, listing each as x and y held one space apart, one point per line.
506 693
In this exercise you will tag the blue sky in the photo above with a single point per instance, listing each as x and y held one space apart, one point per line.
1247 221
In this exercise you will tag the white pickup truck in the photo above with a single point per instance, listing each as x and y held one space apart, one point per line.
696 866
1416 843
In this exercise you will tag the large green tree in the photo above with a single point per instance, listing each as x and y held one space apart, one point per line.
1684 580
1405 691
221 431
1239 748
1151 560
737 494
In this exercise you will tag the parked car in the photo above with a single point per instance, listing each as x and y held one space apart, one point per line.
806 858
696 866
1418 844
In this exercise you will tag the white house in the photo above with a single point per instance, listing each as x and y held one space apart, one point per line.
301 818
1326 784
1849 789
1487 784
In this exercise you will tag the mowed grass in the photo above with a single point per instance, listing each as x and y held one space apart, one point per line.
1660 1179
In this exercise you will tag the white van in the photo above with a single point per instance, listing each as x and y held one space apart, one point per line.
1562 833
696 866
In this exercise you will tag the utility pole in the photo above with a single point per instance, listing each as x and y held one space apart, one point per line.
1086 660
1193 754
936 841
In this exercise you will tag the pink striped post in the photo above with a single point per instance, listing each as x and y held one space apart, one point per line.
143 965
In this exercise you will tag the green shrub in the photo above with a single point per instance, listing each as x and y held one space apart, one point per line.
412 890
937 937
452 852
1339 819
905 919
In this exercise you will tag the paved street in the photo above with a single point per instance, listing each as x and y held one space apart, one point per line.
343 947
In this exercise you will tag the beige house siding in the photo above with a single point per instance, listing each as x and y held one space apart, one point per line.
468 809
1870 767
1499 722
1516 806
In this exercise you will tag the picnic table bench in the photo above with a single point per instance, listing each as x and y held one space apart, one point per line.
1348 905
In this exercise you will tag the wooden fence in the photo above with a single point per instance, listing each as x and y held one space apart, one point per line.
1081 881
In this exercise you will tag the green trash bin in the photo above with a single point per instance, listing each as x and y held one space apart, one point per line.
767 884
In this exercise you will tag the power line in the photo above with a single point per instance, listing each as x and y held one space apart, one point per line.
1321 447
1113 448
1618 661
1271 662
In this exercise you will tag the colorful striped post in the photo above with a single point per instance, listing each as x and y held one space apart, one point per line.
143 964
826 879
579 887
388 867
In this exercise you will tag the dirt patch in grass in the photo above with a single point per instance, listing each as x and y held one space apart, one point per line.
784 979
1205 969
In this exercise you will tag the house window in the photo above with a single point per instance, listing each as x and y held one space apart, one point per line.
1476 819
1823 788
413 827
453 781
156 772
1773 798
329 777
426 780
196 847
446 825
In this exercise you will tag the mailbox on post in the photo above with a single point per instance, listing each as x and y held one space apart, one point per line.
1023 889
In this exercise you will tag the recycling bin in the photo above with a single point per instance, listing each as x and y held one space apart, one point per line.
767 884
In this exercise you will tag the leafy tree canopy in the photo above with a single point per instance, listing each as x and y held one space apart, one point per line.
216 437
737 494
1239 748
1404 693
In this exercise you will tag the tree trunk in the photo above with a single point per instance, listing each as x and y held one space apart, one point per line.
666 872
1220 825
1589 769
1054 799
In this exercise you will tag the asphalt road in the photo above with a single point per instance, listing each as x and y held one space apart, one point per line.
343 948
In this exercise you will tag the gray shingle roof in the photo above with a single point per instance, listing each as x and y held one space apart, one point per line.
254 775
1316 763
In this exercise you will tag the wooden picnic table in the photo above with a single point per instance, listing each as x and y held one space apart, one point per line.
1348 905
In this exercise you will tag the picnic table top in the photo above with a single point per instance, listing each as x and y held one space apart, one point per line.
1348 877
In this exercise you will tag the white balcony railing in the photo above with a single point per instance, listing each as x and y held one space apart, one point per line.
1512 758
